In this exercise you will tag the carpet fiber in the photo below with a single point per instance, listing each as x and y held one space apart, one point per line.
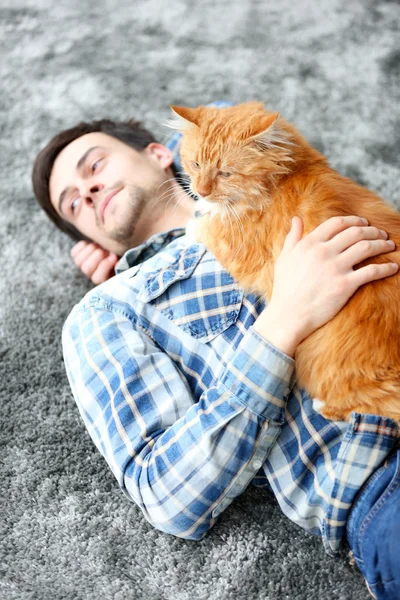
333 68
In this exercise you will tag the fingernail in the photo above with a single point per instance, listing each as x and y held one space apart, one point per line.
364 220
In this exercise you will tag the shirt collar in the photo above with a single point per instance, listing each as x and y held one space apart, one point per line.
148 249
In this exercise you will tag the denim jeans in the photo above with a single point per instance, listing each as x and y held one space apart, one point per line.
373 530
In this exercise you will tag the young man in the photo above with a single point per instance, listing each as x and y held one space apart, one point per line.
186 384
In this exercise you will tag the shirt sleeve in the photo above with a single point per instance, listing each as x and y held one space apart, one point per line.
181 459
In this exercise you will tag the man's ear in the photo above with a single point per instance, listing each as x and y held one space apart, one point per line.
161 153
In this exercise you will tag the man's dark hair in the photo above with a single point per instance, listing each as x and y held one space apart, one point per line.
131 132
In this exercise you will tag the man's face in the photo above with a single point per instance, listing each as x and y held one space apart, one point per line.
110 192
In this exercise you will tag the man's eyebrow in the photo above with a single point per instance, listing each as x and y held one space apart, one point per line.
79 166
83 158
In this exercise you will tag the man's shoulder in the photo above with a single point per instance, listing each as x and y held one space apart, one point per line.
176 262
181 290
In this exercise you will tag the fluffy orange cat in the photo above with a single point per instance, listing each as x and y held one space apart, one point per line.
259 165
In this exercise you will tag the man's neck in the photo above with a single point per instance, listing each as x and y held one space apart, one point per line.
179 209
174 211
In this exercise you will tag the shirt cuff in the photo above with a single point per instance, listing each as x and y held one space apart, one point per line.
260 376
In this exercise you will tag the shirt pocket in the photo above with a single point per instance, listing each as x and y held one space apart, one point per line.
195 293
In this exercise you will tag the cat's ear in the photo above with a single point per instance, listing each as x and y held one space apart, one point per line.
266 133
183 118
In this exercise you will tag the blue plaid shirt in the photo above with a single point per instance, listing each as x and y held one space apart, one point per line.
189 405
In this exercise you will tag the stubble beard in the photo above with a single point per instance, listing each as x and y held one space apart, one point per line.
124 227
141 209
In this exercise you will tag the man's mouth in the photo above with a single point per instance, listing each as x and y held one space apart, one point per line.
106 202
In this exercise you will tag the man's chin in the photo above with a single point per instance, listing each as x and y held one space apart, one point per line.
124 218
121 233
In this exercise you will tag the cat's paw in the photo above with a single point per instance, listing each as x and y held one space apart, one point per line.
191 231
318 405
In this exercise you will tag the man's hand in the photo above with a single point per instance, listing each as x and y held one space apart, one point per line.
314 277
94 262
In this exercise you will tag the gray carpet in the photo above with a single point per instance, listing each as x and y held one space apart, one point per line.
330 66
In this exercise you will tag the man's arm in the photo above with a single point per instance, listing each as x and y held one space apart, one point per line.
182 461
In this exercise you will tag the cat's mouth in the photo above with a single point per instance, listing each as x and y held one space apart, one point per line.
207 207
214 207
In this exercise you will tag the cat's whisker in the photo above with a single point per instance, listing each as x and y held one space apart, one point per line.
172 189
241 228
164 195
234 215
230 220
168 196
167 181
178 201
179 198
171 179
239 220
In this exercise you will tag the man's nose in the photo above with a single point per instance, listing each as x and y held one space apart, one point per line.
91 192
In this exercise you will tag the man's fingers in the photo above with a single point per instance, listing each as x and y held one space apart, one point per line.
295 234
373 273
105 270
365 249
349 237
81 251
86 252
91 262
78 247
94 262
330 228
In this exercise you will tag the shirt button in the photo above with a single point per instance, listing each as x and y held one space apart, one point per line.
257 464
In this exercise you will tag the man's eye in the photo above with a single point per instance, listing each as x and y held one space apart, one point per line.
74 204
96 164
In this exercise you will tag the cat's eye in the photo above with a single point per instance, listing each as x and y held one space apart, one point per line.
195 165
224 173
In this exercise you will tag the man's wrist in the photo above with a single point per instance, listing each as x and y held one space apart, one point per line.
276 330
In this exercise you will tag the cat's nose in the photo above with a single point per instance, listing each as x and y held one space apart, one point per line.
204 191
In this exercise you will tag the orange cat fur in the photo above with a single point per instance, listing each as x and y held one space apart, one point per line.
259 165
